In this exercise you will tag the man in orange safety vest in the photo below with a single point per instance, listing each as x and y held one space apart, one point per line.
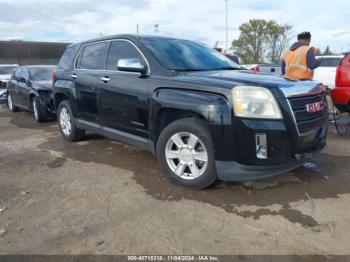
299 62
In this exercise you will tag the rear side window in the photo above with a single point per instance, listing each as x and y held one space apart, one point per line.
67 59
121 50
91 56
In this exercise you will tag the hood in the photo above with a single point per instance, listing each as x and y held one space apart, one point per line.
230 79
5 78
46 84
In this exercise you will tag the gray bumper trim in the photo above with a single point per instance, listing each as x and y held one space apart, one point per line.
232 171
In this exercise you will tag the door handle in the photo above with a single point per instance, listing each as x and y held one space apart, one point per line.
74 76
105 79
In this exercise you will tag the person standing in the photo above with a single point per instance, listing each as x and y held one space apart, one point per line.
299 62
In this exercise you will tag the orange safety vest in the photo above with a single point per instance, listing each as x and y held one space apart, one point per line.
296 64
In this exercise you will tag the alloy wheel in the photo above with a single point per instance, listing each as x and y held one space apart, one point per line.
65 121
10 103
35 109
186 155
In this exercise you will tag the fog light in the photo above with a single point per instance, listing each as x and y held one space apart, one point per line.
261 146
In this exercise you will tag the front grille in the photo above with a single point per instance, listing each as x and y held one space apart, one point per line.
309 121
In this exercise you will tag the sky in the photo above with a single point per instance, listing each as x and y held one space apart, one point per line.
199 20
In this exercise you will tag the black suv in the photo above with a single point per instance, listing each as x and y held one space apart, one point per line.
202 115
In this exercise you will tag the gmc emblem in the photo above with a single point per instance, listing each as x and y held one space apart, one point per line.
314 107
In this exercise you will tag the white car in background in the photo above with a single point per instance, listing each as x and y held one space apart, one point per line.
325 73
6 72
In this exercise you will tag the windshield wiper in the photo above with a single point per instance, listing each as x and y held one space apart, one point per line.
189 69
228 68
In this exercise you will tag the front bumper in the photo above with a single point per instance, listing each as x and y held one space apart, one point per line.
285 150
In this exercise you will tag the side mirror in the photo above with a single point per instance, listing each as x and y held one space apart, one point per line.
21 79
131 65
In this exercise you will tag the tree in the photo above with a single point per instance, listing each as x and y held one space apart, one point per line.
261 40
327 51
278 38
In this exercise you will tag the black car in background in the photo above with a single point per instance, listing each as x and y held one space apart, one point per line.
202 115
30 89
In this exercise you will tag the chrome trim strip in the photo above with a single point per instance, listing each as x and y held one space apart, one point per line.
88 123
137 123
114 71
124 134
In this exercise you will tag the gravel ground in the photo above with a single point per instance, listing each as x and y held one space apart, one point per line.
98 196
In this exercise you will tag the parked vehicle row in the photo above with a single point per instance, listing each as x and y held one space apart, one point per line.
202 115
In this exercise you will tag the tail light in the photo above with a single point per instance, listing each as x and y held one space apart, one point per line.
255 69
54 77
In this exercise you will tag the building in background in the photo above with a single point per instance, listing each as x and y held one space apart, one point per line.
31 53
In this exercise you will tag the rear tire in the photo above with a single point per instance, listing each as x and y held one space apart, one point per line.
186 153
40 112
66 123
10 103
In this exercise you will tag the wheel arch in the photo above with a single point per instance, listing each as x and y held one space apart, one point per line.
170 105
31 96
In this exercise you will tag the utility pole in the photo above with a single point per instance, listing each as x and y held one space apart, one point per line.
226 25
137 29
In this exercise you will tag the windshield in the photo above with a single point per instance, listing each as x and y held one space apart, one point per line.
7 70
184 55
40 73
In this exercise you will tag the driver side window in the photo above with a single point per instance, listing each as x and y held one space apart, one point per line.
121 50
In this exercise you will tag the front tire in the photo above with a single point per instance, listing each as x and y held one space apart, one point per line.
186 153
66 123
40 112
10 103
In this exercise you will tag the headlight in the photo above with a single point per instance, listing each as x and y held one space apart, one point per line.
255 102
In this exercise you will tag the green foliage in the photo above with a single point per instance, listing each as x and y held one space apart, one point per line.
261 41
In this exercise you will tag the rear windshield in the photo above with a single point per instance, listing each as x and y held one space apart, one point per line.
41 73
330 62
7 70
67 59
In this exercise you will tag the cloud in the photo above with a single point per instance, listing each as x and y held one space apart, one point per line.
76 20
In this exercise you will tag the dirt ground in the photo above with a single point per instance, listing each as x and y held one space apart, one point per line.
101 197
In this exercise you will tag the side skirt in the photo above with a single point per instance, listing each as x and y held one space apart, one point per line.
133 140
